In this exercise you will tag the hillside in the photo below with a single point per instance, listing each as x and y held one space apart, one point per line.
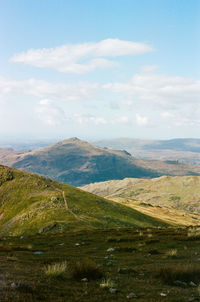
174 199
77 162
30 204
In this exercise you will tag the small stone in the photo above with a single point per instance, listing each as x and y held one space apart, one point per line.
21 286
180 283
61 244
192 284
131 296
38 253
77 244
111 249
163 295
84 280
13 285
112 290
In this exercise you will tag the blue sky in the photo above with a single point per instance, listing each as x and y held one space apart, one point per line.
99 69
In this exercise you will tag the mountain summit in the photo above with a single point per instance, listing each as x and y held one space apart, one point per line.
77 163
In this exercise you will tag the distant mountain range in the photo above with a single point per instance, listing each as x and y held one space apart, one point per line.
77 162
31 204
178 144
186 150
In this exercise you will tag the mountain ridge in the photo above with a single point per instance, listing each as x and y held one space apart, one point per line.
77 162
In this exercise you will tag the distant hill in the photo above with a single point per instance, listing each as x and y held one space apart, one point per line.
77 162
31 204
178 144
174 199
8 156
185 150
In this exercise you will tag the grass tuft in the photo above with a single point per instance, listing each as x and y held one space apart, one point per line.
56 270
107 283
86 269
172 253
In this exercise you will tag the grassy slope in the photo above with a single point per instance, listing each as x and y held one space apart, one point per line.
29 202
169 198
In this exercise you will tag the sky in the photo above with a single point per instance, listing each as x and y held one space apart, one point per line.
99 69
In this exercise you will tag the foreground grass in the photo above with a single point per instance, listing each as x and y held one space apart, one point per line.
100 265
56 270
182 272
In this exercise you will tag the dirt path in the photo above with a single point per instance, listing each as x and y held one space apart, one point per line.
68 209
71 212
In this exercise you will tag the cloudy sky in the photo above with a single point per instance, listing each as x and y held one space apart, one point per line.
99 69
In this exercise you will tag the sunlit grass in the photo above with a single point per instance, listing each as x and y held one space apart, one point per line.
56 270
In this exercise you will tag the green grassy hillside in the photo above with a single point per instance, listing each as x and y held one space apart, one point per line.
30 204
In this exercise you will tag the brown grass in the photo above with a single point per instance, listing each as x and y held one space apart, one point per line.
56 270
184 272
172 253
86 269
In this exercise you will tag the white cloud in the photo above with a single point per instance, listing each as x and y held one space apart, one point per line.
120 120
159 89
167 115
44 89
81 58
49 113
99 120
87 118
141 120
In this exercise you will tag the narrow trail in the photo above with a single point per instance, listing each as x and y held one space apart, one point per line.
68 209
72 213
